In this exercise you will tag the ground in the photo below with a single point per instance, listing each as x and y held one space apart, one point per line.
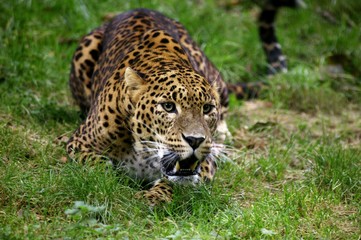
293 169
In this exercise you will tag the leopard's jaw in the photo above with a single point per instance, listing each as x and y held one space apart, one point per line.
185 180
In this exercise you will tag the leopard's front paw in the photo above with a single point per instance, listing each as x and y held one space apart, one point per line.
161 192
222 132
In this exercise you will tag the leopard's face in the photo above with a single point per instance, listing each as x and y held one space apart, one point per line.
174 119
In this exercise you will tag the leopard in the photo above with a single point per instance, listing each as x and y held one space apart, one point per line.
154 105
152 99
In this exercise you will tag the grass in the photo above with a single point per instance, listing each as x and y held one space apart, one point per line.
297 173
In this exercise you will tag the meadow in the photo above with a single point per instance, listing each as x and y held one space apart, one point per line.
295 171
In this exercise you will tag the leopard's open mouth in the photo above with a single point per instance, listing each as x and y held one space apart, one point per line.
182 168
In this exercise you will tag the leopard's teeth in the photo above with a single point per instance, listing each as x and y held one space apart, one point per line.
177 167
193 166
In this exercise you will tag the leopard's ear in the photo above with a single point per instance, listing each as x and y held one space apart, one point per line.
134 84
218 88
132 80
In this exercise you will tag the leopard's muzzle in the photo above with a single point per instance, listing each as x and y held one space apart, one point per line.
175 167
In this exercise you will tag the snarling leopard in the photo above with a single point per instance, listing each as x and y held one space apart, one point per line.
154 103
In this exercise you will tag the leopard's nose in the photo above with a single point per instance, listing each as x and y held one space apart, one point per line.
194 142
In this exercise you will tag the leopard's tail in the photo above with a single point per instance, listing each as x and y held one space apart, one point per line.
275 58
249 90
266 29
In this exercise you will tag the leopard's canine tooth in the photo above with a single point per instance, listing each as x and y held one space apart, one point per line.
194 165
177 166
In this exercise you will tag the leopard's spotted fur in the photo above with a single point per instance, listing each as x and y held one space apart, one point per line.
154 102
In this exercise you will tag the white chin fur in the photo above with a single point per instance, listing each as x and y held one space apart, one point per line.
185 180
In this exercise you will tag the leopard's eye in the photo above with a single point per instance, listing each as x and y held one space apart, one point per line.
207 108
169 107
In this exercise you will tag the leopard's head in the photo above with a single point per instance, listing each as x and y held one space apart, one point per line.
174 118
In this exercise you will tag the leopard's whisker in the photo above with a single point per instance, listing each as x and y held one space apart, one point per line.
224 152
